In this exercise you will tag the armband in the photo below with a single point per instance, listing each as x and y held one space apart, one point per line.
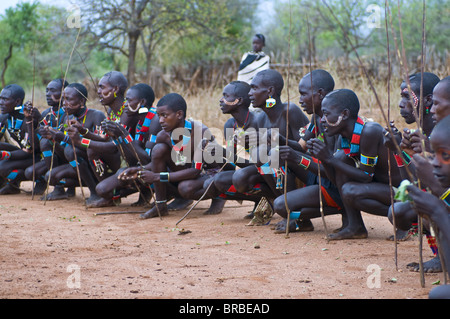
164 177
4 155
445 197
368 160
305 162
85 142
197 165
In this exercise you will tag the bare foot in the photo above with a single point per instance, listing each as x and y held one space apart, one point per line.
99 203
179 204
153 212
431 266
216 207
347 233
57 194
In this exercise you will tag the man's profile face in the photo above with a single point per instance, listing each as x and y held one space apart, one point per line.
105 92
259 93
331 117
441 102
168 119
407 109
228 102
53 93
72 101
7 101
441 161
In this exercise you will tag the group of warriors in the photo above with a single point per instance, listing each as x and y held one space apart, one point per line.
300 162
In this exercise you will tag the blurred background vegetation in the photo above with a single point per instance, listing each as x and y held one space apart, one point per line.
194 47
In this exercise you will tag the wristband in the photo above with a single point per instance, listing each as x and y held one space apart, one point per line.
128 139
305 162
4 155
164 177
196 165
85 142
399 160
445 197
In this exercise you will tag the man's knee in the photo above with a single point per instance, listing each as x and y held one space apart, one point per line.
160 151
279 205
350 191
185 189
241 181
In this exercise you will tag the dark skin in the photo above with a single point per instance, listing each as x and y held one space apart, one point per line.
107 186
244 179
429 206
305 199
241 120
75 106
359 190
53 96
413 140
101 146
441 101
162 160
19 157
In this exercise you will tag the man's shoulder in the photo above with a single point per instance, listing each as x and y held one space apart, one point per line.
96 113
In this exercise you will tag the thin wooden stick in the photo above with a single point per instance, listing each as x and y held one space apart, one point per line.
389 158
287 124
316 131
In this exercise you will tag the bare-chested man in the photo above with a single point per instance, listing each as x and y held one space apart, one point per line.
79 119
265 93
360 168
177 156
16 153
305 201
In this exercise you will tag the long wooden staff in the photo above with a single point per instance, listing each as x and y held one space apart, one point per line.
121 149
389 119
206 190
418 122
73 145
412 178
32 124
57 121
316 126
287 125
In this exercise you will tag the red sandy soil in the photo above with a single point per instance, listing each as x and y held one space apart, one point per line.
121 256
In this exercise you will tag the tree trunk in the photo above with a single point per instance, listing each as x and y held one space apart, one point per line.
5 64
132 45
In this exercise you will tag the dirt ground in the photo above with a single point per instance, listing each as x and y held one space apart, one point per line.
62 250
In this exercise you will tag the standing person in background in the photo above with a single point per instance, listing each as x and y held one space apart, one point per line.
254 61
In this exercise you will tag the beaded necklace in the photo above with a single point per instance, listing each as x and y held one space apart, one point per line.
351 148
181 159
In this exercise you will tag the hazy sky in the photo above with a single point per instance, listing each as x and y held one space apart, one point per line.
4 4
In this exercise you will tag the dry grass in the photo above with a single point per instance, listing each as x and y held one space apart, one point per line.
203 105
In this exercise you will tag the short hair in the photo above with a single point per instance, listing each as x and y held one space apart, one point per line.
241 90
261 37
174 101
116 78
16 90
345 99
273 78
443 125
321 79
144 91
61 82
429 82
80 88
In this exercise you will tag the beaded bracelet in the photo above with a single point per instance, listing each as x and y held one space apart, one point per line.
85 142
305 162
